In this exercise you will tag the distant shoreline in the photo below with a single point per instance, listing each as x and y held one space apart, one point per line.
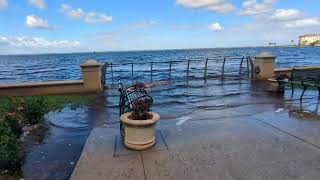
156 50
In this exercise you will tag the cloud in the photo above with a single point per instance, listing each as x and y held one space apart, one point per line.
252 7
95 18
219 6
72 13
308 22
143 24
38 3
36 42
216 27
88 17
286 15
289 18
33 21
4 4
264 13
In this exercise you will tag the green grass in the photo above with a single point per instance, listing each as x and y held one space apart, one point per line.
50 102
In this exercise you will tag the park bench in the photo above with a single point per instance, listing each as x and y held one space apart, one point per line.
303 77
129 96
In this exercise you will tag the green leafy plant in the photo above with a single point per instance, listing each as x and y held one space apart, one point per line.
10 151
16 112
11 124
34 109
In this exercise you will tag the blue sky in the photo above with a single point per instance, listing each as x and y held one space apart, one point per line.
51 26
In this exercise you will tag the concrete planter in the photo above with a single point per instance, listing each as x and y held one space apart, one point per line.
139 134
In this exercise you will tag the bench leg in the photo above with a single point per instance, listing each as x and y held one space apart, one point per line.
292 89
304 90
319 93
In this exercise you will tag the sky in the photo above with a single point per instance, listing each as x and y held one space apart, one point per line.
62 26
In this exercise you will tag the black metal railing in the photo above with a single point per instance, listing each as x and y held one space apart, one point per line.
245 67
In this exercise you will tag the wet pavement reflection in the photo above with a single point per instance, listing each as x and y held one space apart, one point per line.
178 101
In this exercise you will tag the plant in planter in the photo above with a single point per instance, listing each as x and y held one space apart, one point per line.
139 125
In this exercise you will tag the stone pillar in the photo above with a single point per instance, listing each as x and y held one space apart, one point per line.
91 74
264 66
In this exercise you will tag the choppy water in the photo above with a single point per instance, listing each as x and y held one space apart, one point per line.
26 68
56 158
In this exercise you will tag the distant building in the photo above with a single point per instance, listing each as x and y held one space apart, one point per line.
309 40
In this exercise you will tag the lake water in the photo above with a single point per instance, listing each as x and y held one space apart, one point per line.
58 155
31 68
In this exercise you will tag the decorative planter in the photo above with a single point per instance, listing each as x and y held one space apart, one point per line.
139 134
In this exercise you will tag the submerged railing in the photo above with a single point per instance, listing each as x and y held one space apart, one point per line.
244 63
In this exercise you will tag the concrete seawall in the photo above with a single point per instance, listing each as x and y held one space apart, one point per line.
92 82
42 88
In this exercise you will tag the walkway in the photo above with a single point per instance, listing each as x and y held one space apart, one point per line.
267 139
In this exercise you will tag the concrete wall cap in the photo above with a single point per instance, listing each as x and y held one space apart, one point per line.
90 63
265 55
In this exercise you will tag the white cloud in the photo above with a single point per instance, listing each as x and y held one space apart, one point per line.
143 24
72 13
216 27
222 8
4 4
303 23
64 7
76 13
219 6
264 13
286 15
33 21
95 18
38 3
37 42
252 7
88 17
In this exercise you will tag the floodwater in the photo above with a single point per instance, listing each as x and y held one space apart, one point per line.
56 157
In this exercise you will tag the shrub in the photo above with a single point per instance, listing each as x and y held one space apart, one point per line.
8 104
11 124
34 109
18 111
10 152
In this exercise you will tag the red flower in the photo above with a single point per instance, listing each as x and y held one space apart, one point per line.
20 109
10 114
139 86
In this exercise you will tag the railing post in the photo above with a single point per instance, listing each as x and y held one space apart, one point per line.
188 69
132 72
112 72
170 66
151 70
240 69
248 69
251 66
205 70
103 73
222 71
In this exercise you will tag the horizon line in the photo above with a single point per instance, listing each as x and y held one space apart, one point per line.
142 50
